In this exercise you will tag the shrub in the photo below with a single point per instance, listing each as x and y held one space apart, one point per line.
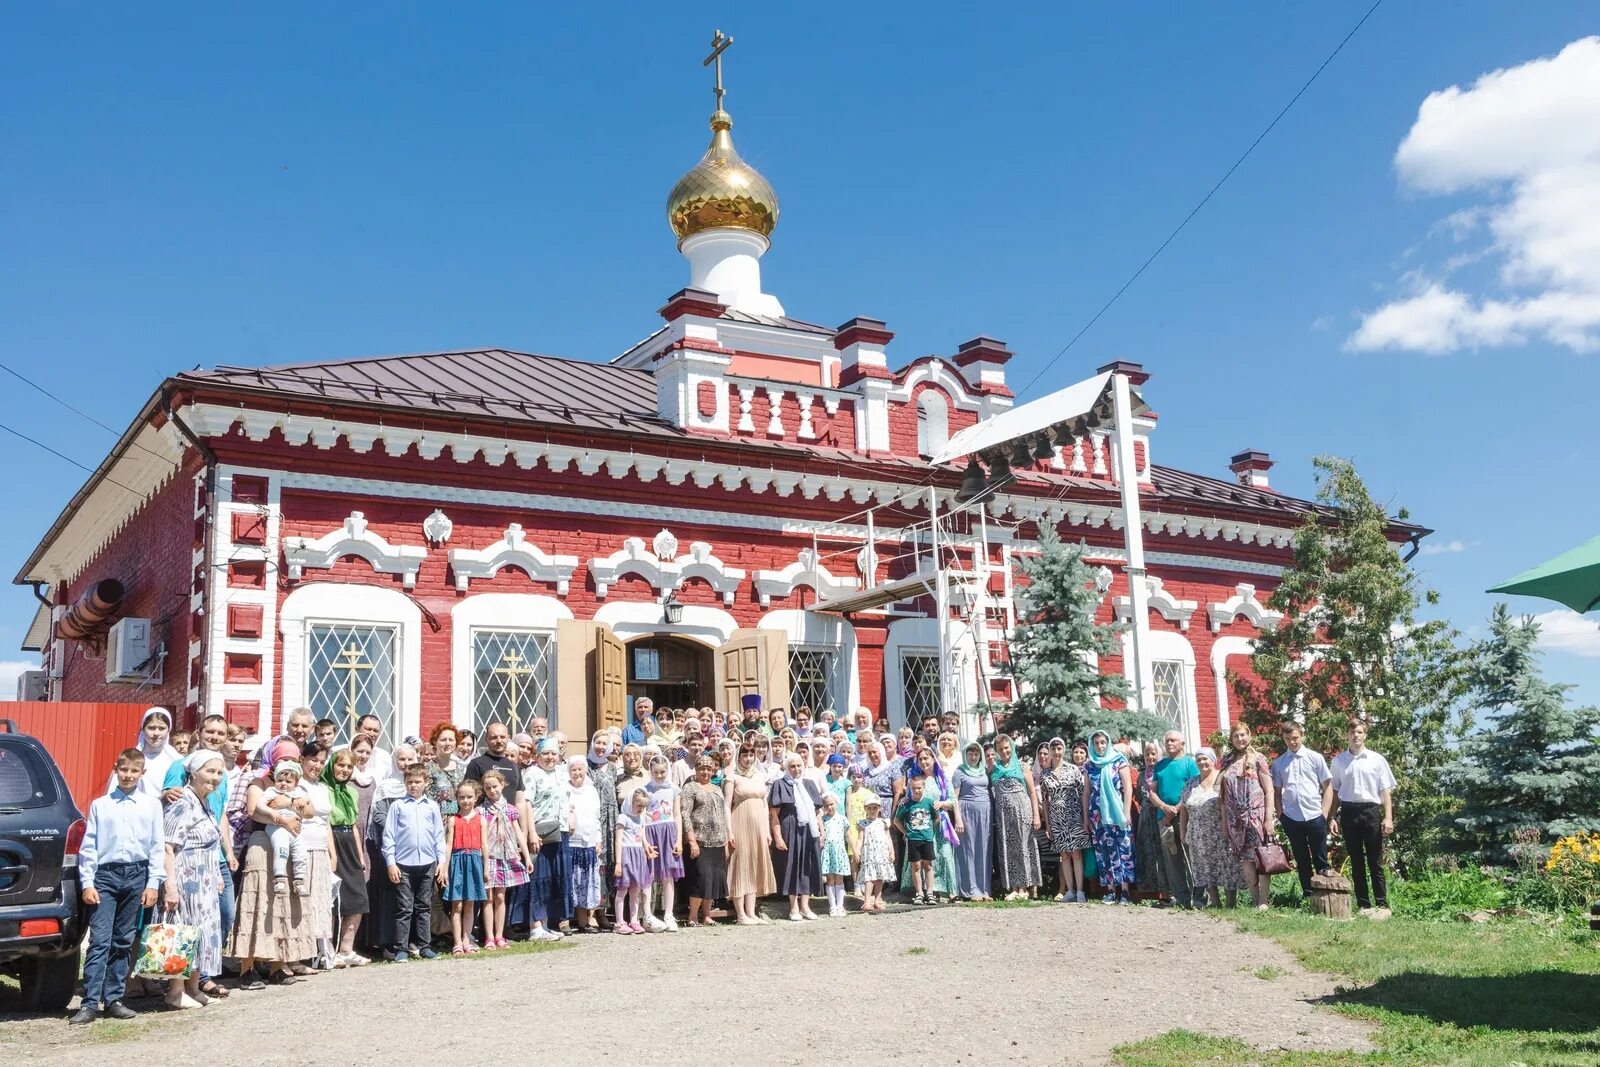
1573 870
1443 895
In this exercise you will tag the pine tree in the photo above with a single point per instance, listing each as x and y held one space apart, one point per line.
1351 646
1059 685
1535 764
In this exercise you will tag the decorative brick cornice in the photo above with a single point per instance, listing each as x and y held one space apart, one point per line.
692 302
858 329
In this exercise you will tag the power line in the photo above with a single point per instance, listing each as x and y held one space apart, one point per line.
1205 199
69 459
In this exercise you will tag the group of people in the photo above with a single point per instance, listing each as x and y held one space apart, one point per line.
307 857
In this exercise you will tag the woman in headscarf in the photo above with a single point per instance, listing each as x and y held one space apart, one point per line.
1247 810
938 789
1016 817
749 836
631 776
194 873
704 810
349 853
270 928
155 727
975 840
602 774
1111 818
1151 876
547 795
588 882
1064 799
795 804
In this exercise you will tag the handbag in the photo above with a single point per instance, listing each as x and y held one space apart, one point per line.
1272 859
167 950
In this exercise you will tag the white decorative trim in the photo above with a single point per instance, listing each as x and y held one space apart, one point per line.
921 636
774 412
629 619
1221 649
217 642
354 539
811 629
437 528
805 570
528 612
665 574
511 550
935 371
366 605
1243 602
1161 602
805 400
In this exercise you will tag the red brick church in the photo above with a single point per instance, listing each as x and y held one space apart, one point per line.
743 501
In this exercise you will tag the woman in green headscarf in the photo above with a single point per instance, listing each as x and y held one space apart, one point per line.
1110 817
349 854
1016 817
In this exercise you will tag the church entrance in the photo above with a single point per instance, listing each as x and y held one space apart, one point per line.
674 672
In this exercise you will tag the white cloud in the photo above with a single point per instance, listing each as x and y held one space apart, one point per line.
1567 631
1528 139
1322 323
10 670
1439 548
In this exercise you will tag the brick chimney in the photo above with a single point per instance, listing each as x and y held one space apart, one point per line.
1250 468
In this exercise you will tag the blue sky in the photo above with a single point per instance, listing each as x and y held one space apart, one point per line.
182 185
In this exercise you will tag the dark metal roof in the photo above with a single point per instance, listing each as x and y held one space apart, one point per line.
1198 490
485 383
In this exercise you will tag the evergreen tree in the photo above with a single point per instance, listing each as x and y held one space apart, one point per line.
1351 646
1535 764
1059 686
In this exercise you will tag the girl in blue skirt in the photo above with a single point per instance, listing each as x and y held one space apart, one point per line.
463 839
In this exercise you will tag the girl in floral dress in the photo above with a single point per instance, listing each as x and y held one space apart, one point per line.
877 856
835 857
505 851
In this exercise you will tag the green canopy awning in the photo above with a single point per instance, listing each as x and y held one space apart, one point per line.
1572 578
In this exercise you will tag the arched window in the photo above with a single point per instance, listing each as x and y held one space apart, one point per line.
933 422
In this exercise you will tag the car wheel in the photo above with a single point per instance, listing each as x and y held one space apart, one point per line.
48 985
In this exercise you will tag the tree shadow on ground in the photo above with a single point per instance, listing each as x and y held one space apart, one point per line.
1532 1001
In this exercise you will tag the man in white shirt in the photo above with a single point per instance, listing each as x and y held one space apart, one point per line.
1305 790
1362 789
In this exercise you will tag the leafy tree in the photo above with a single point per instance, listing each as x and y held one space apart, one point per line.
1351 646
1059 685
1535 765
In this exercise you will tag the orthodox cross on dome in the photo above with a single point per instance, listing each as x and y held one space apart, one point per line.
719 44
350 661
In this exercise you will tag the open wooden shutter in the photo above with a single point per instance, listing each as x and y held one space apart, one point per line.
610 679
753 661
574 705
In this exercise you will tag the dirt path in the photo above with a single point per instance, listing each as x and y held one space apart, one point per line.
1051 985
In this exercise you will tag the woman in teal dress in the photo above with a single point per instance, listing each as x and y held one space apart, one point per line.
944 852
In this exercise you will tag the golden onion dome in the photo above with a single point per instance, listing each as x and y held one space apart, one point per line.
722 190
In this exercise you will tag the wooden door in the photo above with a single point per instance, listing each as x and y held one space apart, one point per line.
738 669
610 679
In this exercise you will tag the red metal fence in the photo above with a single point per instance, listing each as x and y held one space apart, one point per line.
83 738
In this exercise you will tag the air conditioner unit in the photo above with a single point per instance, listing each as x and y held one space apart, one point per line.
128 652
33 685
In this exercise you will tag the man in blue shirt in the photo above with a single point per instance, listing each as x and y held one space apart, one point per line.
413 849
120 863
1172 772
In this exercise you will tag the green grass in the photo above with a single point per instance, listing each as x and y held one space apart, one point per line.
1007 903
1269 972
1457 994
917 950
515 948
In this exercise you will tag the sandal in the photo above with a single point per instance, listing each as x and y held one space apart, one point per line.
252 982
211 989
281 978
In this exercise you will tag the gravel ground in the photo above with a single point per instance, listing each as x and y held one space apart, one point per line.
1046 985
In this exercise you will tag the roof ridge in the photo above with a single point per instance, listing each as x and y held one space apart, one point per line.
400 356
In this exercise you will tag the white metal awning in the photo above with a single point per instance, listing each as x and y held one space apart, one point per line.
884 593
1070 412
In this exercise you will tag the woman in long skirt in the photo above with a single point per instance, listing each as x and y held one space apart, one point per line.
749 835
1016 817
1064 796
548 796
1150 876
975 839
1111 817
584 848
194 873
350 858
938 789
794 804
603 777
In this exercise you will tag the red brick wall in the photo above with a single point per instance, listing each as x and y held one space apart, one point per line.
153 557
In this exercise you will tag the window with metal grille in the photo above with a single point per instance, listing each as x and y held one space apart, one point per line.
351 673
1170 684
511 678
811 678
919 675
